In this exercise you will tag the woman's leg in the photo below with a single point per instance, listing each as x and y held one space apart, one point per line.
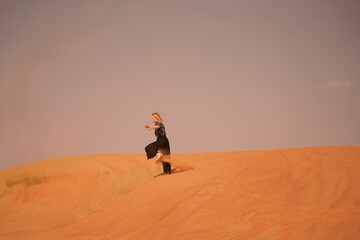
151 150
177 164
166 167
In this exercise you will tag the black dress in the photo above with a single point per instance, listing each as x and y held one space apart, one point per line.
161 145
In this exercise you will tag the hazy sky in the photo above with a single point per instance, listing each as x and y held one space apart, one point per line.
81 77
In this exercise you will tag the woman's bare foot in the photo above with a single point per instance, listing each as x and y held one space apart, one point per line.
158 156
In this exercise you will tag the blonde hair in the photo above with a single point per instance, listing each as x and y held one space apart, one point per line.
157 117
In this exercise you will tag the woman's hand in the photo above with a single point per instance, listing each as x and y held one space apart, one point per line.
148 127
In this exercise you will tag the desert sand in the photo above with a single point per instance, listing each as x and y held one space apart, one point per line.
303 193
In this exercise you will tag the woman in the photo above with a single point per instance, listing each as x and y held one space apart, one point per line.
161 147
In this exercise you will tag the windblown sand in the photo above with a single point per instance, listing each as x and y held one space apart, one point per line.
305 193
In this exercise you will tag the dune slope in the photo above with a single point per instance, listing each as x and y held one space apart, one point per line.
305 193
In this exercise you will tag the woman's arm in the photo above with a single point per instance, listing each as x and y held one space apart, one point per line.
149 127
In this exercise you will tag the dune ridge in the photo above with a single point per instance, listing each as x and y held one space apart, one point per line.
303 193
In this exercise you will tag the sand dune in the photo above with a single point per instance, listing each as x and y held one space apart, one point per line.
306 193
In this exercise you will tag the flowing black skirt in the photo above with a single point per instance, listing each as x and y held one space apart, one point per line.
161 145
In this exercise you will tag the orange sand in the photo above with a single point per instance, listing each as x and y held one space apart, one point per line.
306 193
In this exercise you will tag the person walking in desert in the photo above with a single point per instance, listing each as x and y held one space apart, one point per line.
161 147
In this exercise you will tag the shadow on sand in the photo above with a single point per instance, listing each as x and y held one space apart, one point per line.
173 171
